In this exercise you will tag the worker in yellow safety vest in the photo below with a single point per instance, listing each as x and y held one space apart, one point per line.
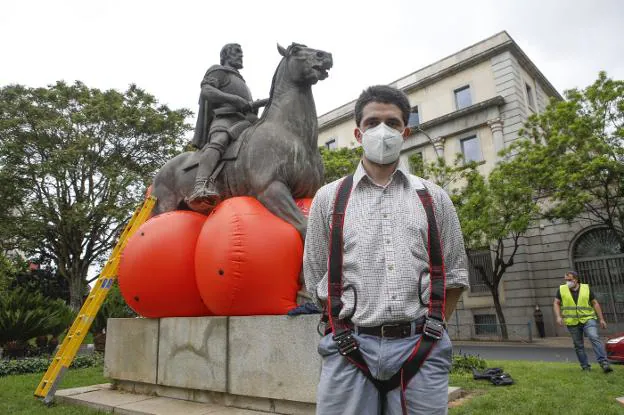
576 307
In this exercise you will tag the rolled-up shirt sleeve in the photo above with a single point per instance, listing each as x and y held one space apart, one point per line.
455 261
316 244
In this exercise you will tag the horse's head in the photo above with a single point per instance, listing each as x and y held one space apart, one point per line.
305 65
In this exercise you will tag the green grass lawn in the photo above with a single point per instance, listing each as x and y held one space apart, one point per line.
16 392
540 388
543 388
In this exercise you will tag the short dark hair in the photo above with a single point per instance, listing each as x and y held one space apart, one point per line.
384 94
574 275
225 50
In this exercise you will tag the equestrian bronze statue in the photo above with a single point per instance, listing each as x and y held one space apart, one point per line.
275 159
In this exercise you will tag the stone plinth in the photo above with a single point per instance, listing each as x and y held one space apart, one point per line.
266 363
192 353
132 349
274 357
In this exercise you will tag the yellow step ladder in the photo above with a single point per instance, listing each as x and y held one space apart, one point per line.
79 329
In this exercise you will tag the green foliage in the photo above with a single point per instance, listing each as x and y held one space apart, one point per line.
8 270
74 163
340 162
573 154
41 364
113 307
493 209
43 280
416 164
25 315
464 363
443 174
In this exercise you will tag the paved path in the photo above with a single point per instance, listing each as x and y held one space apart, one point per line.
103 398
550 349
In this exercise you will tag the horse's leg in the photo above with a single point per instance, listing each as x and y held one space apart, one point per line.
166 199
277 198
164 186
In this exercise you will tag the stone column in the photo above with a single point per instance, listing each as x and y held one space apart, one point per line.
438 146
496 126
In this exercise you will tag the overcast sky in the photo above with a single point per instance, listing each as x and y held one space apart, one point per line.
166 46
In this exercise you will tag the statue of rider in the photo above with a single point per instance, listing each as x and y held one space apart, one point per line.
225 110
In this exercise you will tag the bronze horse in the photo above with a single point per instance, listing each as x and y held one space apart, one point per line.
279 160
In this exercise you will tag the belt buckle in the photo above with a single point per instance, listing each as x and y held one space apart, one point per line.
433 328
387 326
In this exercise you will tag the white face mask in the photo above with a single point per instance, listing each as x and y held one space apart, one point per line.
382 144
570 284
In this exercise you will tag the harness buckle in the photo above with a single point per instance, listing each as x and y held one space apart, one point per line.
433 328
346 342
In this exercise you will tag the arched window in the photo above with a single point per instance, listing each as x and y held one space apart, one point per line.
596 243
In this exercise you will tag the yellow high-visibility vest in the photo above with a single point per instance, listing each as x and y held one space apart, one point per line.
579 312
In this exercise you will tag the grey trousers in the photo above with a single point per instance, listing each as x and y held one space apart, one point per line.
344 390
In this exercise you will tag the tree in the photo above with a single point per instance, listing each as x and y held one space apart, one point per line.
573 153
494 214
44 280
438 171
76 161
340 162
8 271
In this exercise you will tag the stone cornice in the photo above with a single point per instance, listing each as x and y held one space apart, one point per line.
500 43
479 106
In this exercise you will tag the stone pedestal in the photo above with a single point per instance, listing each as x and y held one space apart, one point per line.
264 363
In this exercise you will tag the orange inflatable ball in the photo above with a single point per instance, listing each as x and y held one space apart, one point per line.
156 270
304 205
247 260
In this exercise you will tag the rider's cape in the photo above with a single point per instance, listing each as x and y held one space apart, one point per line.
205 115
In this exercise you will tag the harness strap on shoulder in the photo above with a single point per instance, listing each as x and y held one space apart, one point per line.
334 289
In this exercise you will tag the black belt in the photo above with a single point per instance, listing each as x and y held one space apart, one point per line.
391 330
395 330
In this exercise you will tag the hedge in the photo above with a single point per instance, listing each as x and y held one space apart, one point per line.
41 364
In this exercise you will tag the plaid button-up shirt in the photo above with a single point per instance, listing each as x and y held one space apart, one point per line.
385 247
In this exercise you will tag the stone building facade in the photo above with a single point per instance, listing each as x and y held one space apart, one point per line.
474 102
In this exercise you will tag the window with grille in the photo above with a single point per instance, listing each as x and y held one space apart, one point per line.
485 324
477 261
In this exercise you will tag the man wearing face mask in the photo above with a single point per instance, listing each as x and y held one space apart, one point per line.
384 256
576 307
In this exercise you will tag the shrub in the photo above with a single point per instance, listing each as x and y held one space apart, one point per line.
113 307
25 315
41 364
463 363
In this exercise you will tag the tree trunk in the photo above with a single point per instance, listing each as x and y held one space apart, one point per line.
76 289
499 311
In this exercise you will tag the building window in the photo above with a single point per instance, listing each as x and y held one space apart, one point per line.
479 263
471 149
331 144
416 163
485 324
414 119
462 97
530 99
